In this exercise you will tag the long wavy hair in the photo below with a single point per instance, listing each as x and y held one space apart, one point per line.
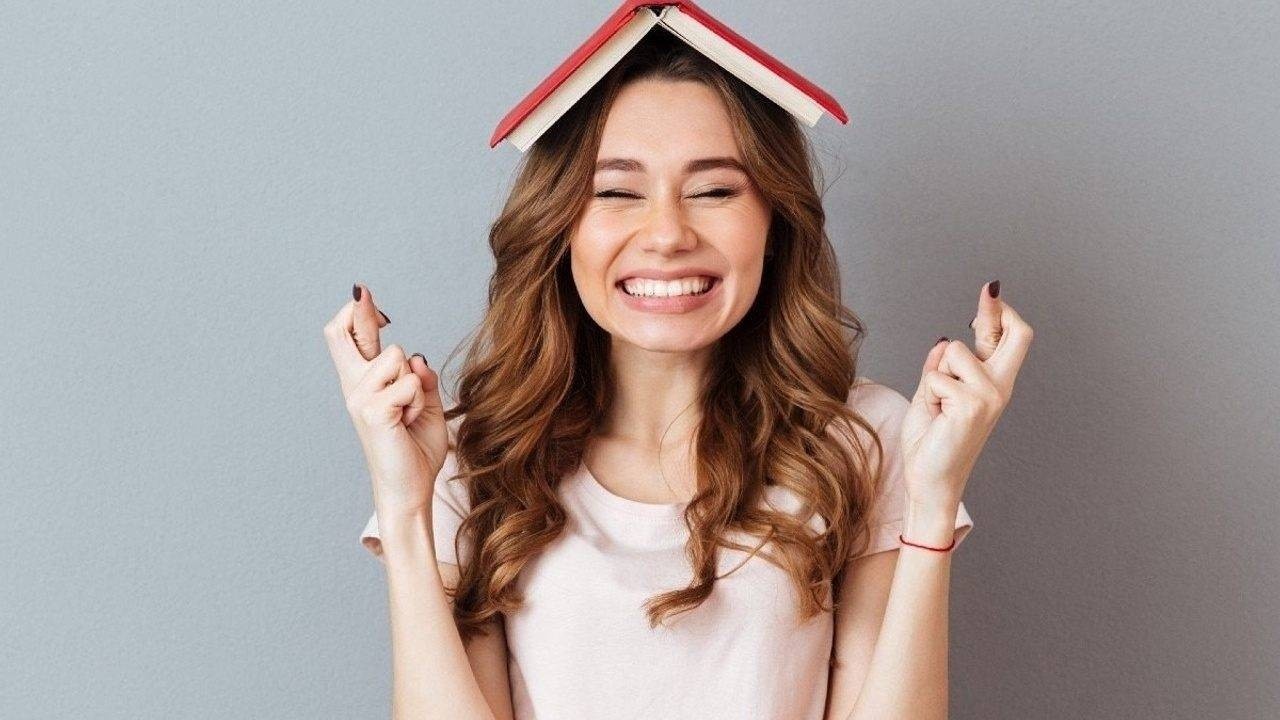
535 380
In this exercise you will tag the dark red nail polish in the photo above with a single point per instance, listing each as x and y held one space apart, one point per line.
971 322
355 291
941 339
384 317
994 288
419 355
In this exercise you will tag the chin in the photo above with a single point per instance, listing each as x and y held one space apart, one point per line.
665 340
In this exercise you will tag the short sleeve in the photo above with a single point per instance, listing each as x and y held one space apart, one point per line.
449 506
885 408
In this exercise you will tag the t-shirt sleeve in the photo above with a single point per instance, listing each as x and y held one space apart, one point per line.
449 505
885 408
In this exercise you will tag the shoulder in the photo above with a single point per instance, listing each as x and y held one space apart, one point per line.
876 402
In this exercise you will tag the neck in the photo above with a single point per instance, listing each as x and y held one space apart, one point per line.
655 402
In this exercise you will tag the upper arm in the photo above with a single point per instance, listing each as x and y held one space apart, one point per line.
861 599
488 655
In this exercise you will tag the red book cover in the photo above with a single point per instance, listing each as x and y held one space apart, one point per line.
616 21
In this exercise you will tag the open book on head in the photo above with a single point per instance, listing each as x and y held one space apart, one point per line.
623 30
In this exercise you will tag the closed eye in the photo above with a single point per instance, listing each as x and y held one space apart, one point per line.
724 192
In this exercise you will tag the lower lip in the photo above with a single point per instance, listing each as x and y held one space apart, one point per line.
677 304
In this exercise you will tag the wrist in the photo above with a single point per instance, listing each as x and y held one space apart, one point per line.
395 505
397 513
931 524
405 533
939 500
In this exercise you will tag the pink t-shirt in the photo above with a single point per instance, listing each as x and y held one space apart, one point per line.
581 646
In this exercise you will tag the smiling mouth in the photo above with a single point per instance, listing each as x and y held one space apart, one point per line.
714 281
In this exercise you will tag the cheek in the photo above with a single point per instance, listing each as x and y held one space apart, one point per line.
745 257
744 246
742 229
746 288
602 228
599 236
589 258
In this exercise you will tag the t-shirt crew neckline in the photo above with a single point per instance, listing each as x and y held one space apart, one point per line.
658 512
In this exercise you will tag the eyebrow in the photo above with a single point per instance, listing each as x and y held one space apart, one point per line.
693 166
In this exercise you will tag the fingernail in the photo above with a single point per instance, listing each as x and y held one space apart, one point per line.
994 288
419 355
355 291
941 339
971 322
384 317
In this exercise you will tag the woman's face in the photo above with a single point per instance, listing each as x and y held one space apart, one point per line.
675 216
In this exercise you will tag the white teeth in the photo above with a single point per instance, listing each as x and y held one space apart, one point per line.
644 287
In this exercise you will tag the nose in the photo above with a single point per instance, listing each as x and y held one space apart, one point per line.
666 230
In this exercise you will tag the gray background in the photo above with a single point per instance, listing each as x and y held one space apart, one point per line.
188 191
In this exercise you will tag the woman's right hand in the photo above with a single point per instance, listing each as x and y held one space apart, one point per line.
394 403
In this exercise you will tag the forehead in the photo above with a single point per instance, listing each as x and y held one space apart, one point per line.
659 121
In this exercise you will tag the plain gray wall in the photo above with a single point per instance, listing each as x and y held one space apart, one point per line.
188 191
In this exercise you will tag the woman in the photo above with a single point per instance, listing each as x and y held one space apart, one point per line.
664 492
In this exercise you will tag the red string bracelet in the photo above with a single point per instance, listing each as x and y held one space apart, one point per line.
926 547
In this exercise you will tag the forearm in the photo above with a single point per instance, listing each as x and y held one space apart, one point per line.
431 673
907 676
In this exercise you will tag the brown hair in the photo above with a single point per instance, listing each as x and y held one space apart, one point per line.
535 379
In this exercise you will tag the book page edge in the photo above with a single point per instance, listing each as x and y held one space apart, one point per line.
558 102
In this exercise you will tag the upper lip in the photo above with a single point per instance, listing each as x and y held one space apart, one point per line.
673 274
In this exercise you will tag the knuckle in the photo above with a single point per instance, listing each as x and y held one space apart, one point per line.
394 352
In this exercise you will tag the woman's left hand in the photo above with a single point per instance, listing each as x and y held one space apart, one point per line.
961 395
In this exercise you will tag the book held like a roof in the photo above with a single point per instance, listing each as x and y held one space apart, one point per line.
622 31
